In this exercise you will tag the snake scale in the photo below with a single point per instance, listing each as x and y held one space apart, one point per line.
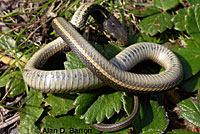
100 71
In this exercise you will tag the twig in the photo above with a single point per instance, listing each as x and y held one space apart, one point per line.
10 120
4 97
9 31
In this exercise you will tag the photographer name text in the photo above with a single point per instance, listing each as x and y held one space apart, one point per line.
66 131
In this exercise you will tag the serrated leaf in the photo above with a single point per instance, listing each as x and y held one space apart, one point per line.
84 101
179 19
104 106
73 62
191 43
156 23
180 131
30 113
128 102
159 123
193 22
66 124
152 117
60 103
190 110
193 2
192 84
189 58
146 11
165 4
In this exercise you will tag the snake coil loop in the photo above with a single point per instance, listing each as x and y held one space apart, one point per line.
112 73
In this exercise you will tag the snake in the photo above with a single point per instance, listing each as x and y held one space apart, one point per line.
100 71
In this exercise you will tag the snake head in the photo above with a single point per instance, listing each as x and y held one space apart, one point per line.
114 30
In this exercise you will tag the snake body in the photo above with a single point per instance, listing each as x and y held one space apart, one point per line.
118 78
113 73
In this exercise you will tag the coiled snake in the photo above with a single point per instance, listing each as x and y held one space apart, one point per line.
113 73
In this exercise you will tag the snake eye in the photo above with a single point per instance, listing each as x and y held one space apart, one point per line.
112 24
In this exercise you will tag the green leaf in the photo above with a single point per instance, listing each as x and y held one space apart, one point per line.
13 81
30 113
73 62
180 131
165 4
84 101
8 77
192 84
190 110
104 106
156 23
98 47
128 102
191 43
111 50
151 119
189 58
60 103
141 37
17 86
67 124
146 11
193 22
179 19
159 123
193 2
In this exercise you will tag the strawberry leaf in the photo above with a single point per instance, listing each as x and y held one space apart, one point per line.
165 4
60 103
190 110
156 23
105 106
